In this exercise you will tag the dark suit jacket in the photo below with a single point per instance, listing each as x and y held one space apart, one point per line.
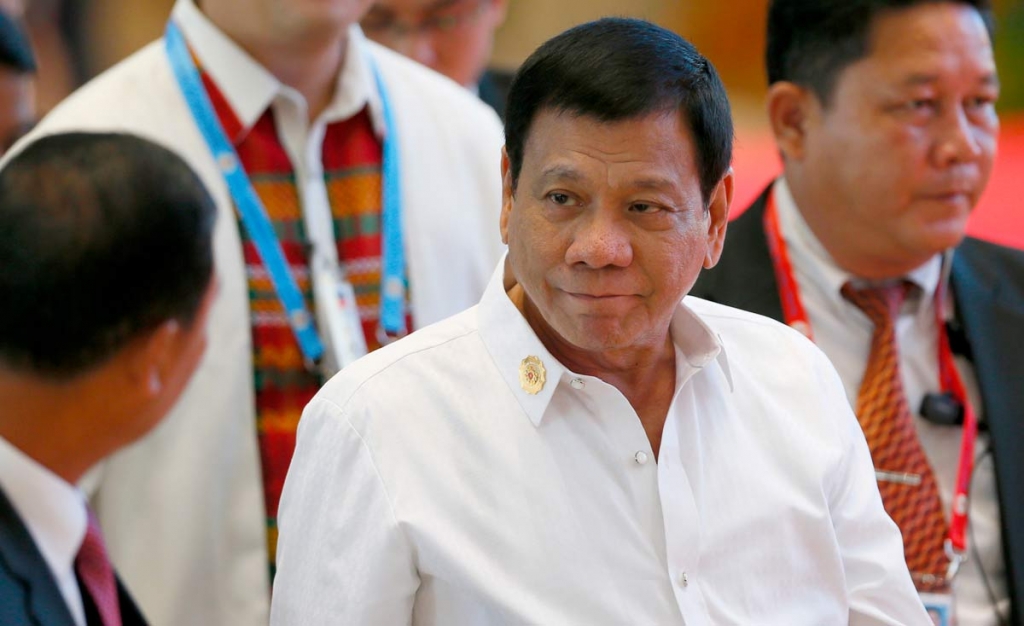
493 89
988 287
29 593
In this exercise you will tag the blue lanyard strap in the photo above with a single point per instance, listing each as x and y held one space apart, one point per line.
258 225
393 283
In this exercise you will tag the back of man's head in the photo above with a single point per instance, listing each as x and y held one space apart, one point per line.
102 238
810 42
615 69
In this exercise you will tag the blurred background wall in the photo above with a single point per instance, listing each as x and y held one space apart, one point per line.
82 37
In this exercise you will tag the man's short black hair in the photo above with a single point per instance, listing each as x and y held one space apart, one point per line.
15 49
810 42
102 238
616 69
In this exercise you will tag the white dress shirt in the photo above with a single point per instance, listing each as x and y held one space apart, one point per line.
843 332
54 514
429 488
182 509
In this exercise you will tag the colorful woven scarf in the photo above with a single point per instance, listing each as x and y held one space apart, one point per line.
352 172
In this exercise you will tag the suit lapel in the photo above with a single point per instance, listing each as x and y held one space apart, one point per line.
995 330
21 557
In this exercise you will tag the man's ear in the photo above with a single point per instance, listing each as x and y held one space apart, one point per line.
506 195
151 355
718 219
790 108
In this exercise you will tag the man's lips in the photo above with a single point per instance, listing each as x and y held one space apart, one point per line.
598 296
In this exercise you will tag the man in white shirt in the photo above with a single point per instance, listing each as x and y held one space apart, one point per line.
100 331
584 446
330 130
885 116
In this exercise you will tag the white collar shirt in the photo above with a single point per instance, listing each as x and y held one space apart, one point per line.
53 511
250 89
844 333
429 487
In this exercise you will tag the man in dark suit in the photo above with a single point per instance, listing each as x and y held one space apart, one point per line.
883 111
105 245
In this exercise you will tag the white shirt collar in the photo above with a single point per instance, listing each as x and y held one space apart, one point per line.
806 251
510 339
51 509
250 88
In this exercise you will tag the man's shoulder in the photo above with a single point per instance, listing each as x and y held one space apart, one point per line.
135 84
138 95
429 352
993 267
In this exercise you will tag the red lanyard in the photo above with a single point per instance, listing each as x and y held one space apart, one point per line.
795 315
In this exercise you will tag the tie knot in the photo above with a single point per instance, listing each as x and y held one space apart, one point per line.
881 303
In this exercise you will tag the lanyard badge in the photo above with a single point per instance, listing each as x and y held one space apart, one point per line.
337 313
795 315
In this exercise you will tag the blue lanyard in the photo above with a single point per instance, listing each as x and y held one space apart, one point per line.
261 231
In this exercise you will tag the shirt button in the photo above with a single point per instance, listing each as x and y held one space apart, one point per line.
577 383
684 580
640 457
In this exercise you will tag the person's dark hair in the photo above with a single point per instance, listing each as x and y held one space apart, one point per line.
103 237
810 42
15 49
616 69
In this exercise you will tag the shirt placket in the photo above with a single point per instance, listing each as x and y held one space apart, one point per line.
682 525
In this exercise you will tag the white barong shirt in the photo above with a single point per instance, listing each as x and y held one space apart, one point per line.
429 488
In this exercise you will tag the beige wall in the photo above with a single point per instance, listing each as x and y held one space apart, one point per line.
532 22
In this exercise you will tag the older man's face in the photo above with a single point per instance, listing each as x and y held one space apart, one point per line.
607 229
899 158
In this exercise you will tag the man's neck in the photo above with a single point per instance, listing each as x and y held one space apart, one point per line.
847 249
51 423
309 65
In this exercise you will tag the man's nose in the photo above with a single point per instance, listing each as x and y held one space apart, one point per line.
960 139
602 238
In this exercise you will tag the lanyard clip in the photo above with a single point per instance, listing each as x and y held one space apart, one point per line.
956 557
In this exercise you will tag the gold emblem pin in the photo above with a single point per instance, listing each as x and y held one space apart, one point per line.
532 375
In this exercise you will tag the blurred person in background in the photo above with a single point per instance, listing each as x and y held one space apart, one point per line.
107 279
454 37
17 81
884 112
359 200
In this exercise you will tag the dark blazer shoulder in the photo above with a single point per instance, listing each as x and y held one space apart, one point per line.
744 276
493 89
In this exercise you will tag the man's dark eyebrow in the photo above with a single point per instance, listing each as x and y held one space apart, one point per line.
560 172
657 184
991 79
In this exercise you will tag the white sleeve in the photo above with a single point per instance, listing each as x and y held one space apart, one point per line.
877 580
341 556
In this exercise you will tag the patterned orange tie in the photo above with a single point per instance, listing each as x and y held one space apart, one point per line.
906 482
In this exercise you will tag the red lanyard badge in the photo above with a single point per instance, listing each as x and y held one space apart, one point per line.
949 378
